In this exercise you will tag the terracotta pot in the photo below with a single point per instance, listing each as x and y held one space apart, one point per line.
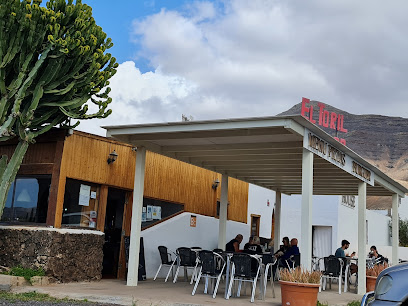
371 283
297 294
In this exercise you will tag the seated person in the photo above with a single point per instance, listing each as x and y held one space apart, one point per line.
375 255
233 245
293 250
345 244
253 247
283 247
249 242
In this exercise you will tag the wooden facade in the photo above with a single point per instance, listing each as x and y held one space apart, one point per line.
82 156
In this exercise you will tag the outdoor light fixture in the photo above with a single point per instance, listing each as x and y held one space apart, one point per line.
112 157
215 184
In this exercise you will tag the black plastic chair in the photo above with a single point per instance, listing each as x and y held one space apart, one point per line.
186 258
242 270
269 260
218 251
212 265
166 260
333 268
293 262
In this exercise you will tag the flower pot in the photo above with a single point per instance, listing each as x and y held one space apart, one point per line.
299 294
371 283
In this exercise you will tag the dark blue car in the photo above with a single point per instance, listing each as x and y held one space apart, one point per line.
391 288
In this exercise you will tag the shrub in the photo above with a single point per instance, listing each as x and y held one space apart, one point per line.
300 275
26 272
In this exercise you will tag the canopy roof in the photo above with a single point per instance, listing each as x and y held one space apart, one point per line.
265 151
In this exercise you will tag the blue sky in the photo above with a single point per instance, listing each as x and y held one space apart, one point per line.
116 17
214 59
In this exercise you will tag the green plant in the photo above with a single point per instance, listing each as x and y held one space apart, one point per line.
403 232
27 273
322 304
354 303
299 275
53 65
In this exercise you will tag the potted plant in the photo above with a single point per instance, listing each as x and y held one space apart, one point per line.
372 274
299 287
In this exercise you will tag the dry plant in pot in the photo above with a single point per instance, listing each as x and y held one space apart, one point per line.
299 287
372 274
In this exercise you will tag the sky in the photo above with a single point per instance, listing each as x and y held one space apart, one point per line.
249 58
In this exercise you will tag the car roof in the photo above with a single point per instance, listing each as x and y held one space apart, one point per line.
393 269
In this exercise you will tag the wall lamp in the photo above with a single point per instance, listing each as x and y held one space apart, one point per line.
112 157
215 184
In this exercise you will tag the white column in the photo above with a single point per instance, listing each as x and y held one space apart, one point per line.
362 237
276 237
395 229
136 217
222 239
306 210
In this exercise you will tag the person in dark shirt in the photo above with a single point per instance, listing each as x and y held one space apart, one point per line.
233 245
253 247
375 255
283 247
248 243
293 250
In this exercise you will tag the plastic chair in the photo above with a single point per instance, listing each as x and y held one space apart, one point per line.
210 268
186 259
333 268
241 271
269 260
293 262
166 260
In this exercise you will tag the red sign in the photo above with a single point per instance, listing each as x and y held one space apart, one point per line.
327 119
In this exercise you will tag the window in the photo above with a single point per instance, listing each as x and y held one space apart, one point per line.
27 200
155 210
80 204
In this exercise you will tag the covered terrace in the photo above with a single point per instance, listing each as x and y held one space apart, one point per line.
289 155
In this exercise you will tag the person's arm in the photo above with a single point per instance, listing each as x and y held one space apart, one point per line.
236 246
287 254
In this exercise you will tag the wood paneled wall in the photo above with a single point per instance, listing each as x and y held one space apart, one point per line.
179 182
85 158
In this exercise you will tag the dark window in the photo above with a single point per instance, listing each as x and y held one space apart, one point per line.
27 200
80 204
158 210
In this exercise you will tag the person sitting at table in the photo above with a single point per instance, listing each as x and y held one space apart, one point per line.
282 260
375 255
249 242
253 247
340 253
233 245
283 247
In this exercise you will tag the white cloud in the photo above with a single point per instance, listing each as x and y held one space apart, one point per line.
239 58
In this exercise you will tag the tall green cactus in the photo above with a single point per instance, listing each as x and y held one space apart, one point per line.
52 65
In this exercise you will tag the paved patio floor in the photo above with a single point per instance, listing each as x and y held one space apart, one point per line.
160 293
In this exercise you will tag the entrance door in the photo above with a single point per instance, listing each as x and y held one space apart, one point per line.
255 220
322 241
113 232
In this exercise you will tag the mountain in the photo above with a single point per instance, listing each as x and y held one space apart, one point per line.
381 140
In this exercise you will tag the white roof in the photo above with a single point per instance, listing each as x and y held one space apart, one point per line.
265 151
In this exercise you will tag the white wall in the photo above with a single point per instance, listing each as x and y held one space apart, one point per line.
403 208
257 204
177 232
325 212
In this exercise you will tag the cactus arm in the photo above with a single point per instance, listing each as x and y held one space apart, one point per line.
3 163
10 171
48 127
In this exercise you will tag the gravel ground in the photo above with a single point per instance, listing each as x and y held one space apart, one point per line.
42 303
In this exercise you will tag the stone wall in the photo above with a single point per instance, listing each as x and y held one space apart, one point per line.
66 255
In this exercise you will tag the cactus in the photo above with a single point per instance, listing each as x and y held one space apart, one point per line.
52 64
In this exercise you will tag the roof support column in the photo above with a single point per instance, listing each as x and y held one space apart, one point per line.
133 267
395 229
306 210
278 204
222 233
362 236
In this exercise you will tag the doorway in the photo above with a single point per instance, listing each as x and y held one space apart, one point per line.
322 241
113 232
255 221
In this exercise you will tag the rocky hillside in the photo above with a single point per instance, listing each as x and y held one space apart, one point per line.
381 140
